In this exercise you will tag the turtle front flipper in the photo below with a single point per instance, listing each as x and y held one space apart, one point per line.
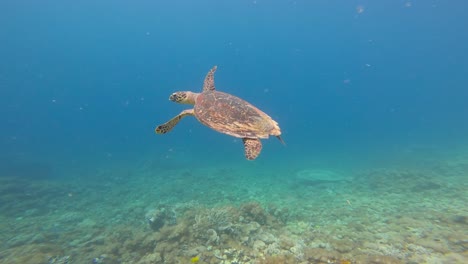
208 84
252 147
169 125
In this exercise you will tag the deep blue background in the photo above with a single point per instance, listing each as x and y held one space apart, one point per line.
87 81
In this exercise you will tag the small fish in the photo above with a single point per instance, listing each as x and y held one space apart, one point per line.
195 259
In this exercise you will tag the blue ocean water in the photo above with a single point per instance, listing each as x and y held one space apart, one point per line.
354 85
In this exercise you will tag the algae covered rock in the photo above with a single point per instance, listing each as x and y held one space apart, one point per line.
163 215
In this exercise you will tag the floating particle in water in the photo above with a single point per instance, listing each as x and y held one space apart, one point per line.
408 4
360 9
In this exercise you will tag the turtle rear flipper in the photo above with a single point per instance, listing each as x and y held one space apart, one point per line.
252 147
169 125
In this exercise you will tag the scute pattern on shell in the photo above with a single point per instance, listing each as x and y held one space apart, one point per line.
233 116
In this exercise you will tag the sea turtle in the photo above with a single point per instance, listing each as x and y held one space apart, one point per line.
227 114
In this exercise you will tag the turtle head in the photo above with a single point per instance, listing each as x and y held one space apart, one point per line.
183 97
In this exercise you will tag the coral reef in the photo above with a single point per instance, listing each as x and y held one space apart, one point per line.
398 215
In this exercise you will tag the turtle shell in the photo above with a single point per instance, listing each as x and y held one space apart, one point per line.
231 115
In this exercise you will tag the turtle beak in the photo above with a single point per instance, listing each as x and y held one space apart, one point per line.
172 97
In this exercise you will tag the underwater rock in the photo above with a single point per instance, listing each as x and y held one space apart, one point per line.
99 259
259 245
343 245
254 211
268 238
161 216
250 228
460 219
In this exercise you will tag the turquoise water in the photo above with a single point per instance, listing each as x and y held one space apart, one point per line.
370 97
